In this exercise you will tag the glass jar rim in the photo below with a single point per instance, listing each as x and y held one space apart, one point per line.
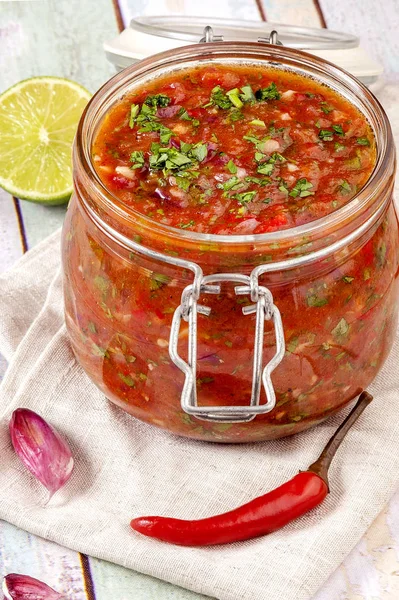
228 53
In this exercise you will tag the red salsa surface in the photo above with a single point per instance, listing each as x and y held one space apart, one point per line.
234 150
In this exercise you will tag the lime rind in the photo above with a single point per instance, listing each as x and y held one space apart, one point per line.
38 121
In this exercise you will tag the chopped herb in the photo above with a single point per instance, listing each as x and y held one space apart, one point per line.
219 98
230 184
245 197
363 141
98 351
292 344
158 280
235 98
381 255
326 108
258 180
338 147
354 162
341 330
345 187
199 151
268 93
183 183
134 111
164 132
91 327
187 225
160 100
367 274
338 129
236 115
247 94
258 123
265 168
231 167
315 300
101 283
228 343
137 159
204 380
326 135
309 94
348 279
127 379
302 188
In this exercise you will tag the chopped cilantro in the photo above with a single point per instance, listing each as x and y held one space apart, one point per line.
348 279
183 183
245 197
164 132
158 280
363 141
326 135
338 129
315 300
258 180
236 115
134 111
345 187
247 94
219 98
341 330
157 100
127 379
338 147
302 188
137 159
187 225
326 108
268 93
230 184
231 167
265 168
199 151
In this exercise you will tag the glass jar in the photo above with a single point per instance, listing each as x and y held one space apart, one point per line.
231 338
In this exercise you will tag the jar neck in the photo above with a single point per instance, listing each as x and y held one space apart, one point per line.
313 240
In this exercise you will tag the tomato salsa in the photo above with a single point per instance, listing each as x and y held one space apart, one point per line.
230 150
234 150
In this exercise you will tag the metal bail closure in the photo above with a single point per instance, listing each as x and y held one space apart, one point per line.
265 310
209 36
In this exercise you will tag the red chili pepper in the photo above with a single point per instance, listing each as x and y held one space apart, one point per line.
262 515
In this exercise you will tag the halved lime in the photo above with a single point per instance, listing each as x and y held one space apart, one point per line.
38 121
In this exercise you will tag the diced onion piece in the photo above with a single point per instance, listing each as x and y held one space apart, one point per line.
270 146
126 172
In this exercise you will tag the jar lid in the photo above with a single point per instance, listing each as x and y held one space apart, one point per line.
149 35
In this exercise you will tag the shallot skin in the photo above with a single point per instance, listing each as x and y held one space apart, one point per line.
24 587
41 449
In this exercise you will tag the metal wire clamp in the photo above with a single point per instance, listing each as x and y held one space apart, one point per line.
265 310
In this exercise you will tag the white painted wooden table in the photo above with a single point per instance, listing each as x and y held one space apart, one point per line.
64 37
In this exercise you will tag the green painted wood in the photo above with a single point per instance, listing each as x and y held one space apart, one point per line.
294 12
51 37
10 242
59 567
112 581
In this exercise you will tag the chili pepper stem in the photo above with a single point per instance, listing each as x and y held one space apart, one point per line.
322 464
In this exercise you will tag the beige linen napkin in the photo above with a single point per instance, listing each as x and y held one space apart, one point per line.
125 468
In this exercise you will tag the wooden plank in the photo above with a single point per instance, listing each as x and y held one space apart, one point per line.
376 24
10 242
293 12
59 567
233 9
70 46
118 583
